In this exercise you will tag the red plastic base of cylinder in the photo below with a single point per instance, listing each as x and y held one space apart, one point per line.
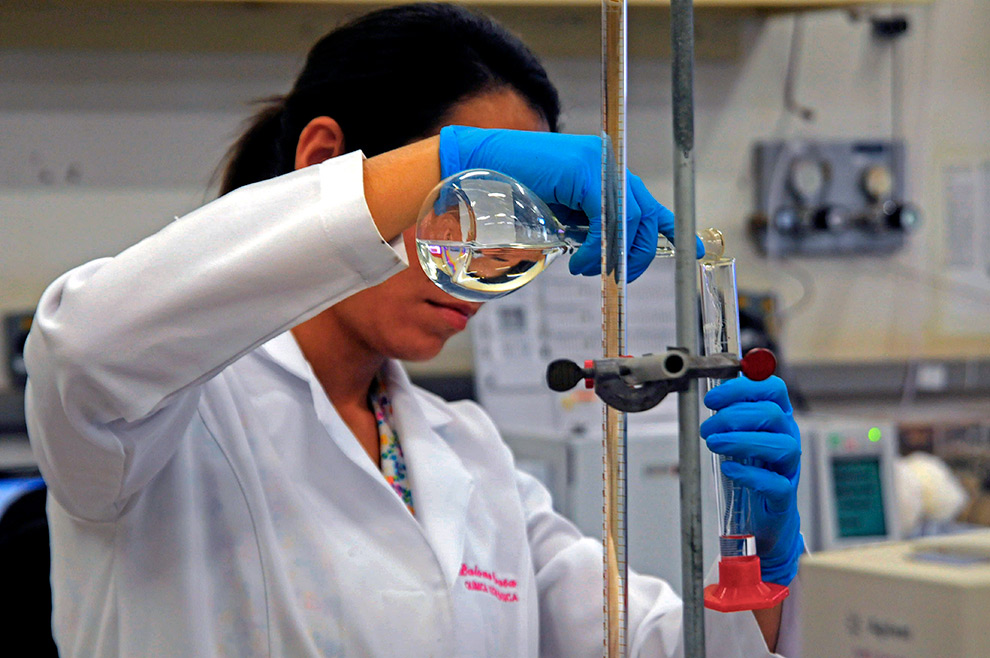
740 587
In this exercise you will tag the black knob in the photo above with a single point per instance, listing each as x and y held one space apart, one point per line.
563 375
787 220
901 216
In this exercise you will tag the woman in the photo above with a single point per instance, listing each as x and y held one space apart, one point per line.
238 465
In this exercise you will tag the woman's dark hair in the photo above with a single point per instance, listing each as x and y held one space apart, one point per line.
389 78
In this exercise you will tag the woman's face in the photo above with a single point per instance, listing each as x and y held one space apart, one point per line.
407 316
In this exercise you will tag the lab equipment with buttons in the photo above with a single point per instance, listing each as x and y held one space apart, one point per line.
831 198
848 494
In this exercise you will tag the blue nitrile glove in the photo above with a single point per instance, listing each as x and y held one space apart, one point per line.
754 420
564 171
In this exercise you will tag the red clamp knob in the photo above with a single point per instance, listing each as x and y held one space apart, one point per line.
589 382
759 363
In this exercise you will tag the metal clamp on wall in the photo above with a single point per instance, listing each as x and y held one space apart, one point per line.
639 383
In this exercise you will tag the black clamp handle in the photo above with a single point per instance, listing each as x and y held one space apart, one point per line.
639 383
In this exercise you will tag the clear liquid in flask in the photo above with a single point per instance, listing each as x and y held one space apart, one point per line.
478 273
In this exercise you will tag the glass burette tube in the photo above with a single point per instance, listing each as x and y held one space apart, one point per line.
614 318
720 329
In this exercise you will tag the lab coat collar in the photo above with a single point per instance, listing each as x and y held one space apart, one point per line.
441 501
396 379
284 351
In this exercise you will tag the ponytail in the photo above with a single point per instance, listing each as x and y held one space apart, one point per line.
257 154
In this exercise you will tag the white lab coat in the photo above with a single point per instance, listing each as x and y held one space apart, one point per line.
206 499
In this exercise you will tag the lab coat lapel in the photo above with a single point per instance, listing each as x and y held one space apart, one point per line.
441 485
284 351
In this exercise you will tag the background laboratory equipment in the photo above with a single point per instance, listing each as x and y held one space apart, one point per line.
850 476
911 599
739 586
570 466
831 197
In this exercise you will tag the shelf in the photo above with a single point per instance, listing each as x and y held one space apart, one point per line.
551 27
720 4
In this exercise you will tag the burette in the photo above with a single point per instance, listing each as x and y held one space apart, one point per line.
616 569
614 59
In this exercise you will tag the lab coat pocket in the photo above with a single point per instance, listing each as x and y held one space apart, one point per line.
412 623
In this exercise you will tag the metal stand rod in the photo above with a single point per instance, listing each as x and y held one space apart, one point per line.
685 278
614 316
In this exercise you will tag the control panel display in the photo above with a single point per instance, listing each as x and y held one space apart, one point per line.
859 503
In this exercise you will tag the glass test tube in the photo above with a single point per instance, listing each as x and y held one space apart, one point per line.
720 321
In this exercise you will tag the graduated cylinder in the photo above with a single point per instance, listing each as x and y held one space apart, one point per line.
740 586
720 326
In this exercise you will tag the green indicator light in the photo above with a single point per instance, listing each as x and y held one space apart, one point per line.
835 439
874 434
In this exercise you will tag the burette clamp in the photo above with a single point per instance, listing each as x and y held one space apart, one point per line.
639 383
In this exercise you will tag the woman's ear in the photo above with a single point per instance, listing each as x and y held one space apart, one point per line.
320 140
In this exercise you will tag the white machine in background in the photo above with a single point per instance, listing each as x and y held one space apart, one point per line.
847 494
571 468
915 599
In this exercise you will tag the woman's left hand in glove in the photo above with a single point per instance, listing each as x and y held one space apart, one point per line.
754 426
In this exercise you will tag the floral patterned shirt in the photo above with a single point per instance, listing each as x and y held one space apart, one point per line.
391 460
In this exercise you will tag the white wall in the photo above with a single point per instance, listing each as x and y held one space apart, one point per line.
99 149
